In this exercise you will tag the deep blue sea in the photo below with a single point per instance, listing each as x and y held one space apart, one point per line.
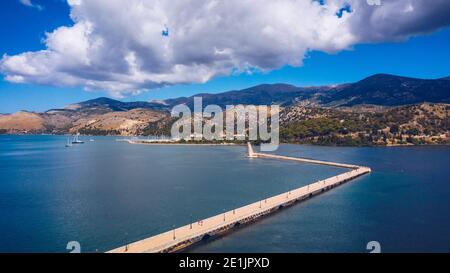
105 194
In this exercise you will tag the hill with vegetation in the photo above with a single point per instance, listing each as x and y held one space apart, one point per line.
406 125
379 110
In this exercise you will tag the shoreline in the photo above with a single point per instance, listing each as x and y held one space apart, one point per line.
243 144
180 144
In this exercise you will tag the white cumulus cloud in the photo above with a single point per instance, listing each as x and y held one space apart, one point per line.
126 47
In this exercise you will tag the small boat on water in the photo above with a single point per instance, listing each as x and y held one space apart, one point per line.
76 140
68 144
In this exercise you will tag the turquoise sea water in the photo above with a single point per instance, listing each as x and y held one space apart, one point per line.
104 194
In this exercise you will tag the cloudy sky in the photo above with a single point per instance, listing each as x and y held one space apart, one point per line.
56 51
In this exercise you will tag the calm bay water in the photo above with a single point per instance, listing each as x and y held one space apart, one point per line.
106 193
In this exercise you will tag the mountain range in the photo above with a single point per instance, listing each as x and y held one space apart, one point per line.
380 92
380 89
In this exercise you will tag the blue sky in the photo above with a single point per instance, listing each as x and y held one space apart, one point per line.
23 28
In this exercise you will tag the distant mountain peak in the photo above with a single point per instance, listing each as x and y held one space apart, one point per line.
100 100
105 104
384 77
389 90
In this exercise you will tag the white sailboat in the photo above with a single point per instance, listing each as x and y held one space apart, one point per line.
68 144
76 140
